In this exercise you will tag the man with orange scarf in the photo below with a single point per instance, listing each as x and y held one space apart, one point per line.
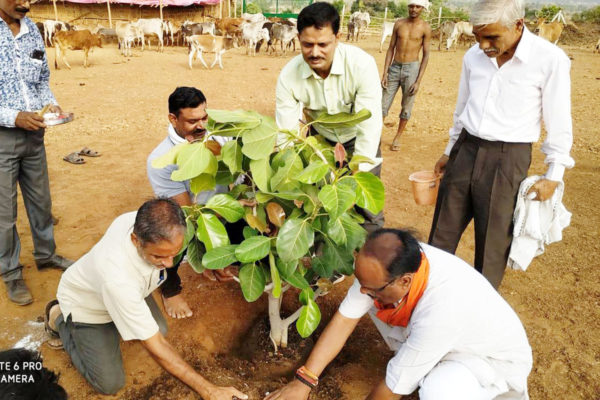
453 334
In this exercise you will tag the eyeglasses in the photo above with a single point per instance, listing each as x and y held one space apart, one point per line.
381 289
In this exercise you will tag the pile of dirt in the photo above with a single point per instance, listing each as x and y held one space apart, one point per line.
582 35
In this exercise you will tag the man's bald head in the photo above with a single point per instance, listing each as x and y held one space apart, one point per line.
395 249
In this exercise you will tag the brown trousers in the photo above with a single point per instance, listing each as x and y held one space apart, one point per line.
481 182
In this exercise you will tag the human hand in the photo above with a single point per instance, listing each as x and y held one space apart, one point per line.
413 89
543 189
221 275
440 165
223 393
384 81
30 121
295 390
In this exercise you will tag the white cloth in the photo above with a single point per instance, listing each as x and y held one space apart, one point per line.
536 223
461 318
508 104
422 3
110 283
353 84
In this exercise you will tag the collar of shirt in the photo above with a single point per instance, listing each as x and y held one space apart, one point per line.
175 138
337 66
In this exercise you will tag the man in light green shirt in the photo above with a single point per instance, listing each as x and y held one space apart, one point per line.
332 77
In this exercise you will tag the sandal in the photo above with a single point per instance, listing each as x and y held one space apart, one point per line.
86 151
74 158
54 340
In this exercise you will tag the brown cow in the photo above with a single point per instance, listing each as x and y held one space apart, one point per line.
74 40
549 31
229 26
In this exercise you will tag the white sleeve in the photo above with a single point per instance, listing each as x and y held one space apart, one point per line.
355 304
461 102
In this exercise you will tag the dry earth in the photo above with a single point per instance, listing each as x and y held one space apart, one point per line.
121 108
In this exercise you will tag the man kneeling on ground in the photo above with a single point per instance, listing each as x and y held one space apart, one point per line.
107 293
454 336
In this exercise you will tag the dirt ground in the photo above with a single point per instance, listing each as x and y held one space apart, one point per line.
120 106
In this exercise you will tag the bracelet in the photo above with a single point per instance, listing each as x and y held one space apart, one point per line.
307 377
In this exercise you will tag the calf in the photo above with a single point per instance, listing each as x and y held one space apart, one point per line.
252 34
361 22
460 28
51 27
126 34
209 44
229 26
284 34
74 40
386 30
549 31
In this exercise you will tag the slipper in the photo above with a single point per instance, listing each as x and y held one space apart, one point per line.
86 151
74 158
395 146
49 330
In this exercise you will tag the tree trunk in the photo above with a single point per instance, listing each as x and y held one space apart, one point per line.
279 327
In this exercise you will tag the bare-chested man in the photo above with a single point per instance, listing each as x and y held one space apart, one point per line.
402 67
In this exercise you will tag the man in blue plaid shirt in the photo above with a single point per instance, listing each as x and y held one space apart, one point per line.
24 89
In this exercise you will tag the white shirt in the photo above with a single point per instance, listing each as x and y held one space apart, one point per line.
353 84
508 103
110 283
459 317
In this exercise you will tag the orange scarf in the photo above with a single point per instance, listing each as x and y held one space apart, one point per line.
400 315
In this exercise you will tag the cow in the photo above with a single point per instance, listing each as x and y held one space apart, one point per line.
209 44
386 30
74 40
151 27
229 26
51 27
460 28
361 22
252 33
550 31
168 31
445 29
352 31
597 48
284 34
126 34
197 28
254 18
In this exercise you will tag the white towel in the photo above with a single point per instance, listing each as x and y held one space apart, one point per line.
536 223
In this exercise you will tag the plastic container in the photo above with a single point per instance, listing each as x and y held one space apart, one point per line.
425 185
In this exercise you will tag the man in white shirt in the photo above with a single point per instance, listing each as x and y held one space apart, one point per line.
509 83
187 122
332 77
453 334
107 294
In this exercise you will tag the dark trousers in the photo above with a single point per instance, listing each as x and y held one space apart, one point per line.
23 160
481 182
95 352
372 221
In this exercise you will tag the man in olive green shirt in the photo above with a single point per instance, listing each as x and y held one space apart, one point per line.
332 77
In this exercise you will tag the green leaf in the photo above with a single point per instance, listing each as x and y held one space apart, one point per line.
226 206
321 267
252 280
223 175
220 257
235 116
261 173
338 258
232 156
355 234
314 172
309 319
370 193
202 182
289 170
260 141
275 276
337 199
343 119
356 160
263 197
190 230
195 251
169 157
294 239
249 232
211 231
253 249
335 230
193 160
238 190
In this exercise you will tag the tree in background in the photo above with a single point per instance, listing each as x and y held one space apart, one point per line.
591 15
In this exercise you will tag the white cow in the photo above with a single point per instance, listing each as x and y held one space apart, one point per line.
252 33
50 28
284 34
254 18
209 44
460 28
127 33
361 22
386 30
149 27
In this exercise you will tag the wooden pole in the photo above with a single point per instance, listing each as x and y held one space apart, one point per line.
109 14
384 16
343 12
160 6
55 10
440 17
221 9
234 8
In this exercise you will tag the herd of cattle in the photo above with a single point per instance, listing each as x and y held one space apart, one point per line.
219 35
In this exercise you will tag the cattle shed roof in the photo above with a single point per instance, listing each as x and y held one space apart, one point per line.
150 3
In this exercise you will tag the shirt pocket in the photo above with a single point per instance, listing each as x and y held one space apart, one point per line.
347 107
31 70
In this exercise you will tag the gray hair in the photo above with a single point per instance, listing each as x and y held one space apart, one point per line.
158 220
505 12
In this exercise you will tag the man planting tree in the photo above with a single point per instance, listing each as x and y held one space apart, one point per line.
107 294
453 334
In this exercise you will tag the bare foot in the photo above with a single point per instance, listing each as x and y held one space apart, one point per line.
177 307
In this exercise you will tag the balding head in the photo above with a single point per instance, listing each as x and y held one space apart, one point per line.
396 250
158 220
